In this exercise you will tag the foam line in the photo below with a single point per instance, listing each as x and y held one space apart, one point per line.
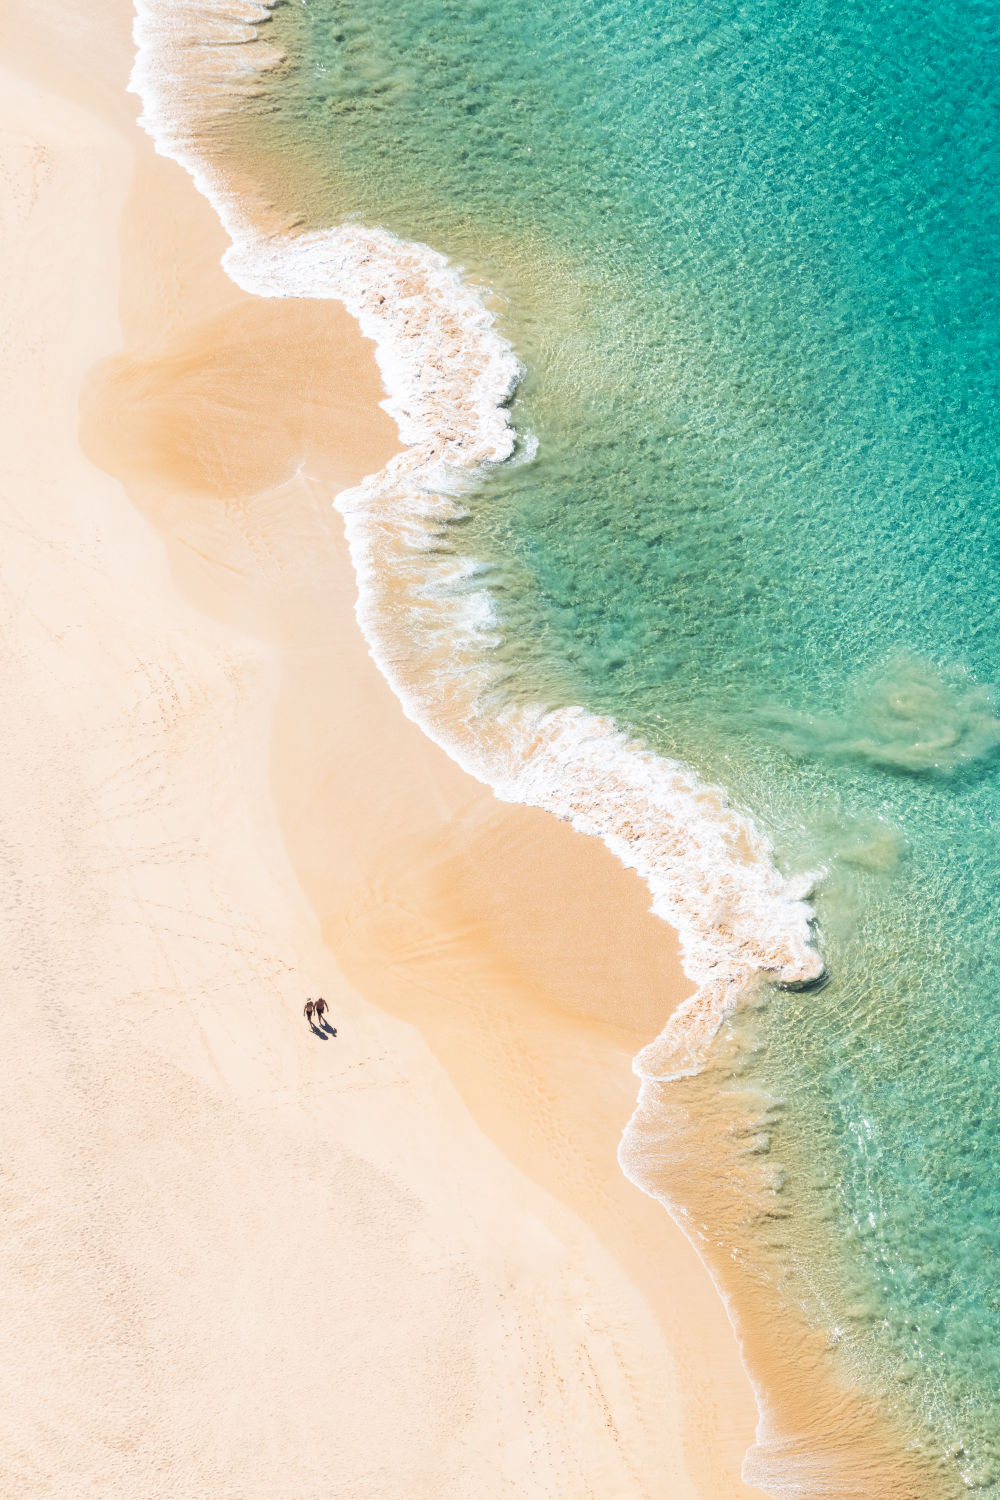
427 616
430 627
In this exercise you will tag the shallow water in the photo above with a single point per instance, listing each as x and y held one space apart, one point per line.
749 257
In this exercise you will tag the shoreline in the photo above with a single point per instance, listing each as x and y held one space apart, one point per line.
434 810
426 890
428 622
562 1331
434 344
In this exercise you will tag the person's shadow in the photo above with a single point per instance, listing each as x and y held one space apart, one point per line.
324 1030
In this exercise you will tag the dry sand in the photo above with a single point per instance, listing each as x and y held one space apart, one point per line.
237 1260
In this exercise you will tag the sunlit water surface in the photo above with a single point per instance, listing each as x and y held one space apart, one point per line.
749 255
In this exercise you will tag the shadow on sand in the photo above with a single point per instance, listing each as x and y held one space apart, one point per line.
324 1031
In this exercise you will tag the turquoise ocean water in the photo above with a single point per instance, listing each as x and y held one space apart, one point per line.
749 256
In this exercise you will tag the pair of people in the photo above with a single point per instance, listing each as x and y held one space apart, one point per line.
315 1010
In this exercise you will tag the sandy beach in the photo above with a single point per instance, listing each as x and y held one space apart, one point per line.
238 1259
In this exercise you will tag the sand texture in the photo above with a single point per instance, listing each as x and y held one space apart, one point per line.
236 1259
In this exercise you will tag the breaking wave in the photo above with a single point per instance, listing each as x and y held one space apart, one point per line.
427 616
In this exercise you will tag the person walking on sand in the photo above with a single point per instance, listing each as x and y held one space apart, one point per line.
320 1009
308 1011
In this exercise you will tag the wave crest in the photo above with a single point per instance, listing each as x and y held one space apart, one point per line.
449 375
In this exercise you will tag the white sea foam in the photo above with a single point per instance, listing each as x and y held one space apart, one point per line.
427 617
